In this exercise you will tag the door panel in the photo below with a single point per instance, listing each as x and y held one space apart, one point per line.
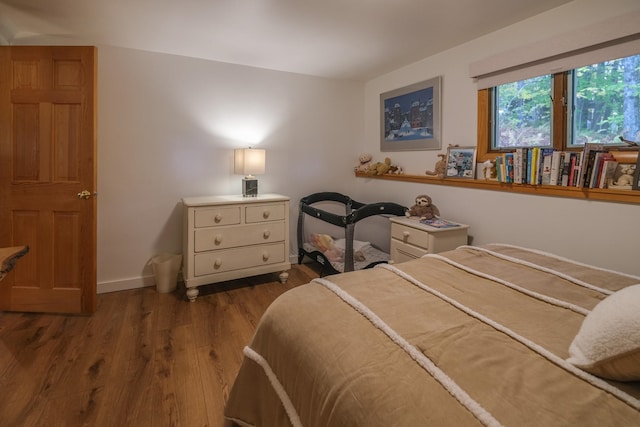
47 157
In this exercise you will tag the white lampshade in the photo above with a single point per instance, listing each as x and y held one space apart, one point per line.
249 161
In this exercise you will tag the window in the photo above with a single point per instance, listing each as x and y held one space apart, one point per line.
605 102
597 103
522 114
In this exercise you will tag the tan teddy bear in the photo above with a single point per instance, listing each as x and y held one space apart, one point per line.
364 160
440 168
379 168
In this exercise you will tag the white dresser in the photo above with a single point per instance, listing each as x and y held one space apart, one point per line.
410 239
230 237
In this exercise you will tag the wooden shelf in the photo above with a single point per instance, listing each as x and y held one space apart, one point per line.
606 195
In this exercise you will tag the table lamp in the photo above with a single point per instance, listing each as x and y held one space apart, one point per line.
249 162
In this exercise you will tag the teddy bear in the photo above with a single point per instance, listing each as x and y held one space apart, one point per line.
331 250
440 168
379 168
324 242
423 208
364 160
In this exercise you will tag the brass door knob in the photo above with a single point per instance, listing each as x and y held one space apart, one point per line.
84 194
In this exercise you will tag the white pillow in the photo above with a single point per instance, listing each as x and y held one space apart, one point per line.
608 342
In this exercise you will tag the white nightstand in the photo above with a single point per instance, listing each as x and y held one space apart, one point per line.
230 237
410 239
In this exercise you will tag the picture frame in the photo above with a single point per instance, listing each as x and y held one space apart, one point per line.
461 162
636 175
410 117
625 176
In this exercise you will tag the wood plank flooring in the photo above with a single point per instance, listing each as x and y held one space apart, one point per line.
143 359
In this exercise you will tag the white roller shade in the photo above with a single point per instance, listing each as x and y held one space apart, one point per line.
610 39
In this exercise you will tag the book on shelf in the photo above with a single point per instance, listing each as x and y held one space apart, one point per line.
509 167
587 170
566 169
439 223
574 169
585 164
534 166
499 175
608 170
596 169
555 167
591 168
544 176
518 165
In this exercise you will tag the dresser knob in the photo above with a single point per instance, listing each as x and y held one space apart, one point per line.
265 256
217 263
218 218
218 239
266 214
266 234
405 235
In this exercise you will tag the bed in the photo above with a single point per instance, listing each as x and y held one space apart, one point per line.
490 335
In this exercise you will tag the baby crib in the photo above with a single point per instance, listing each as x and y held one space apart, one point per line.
348 255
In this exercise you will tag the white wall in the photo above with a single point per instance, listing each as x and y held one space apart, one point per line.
603 234
167 127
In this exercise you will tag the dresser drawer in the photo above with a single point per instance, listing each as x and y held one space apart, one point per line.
211 238
238 258
262 213
216 216
410 235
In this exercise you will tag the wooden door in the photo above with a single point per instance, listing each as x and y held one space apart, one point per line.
47 160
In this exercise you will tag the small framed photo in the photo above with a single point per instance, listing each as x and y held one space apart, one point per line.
636 175
461 162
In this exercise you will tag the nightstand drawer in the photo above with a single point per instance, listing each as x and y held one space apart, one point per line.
411 239
207 239
238 258
264 213
213 217
401 252
410 235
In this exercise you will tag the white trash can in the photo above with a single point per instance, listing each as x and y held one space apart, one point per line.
165 270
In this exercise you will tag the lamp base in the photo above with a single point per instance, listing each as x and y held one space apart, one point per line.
249 187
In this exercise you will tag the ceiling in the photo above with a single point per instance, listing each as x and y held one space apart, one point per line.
345 39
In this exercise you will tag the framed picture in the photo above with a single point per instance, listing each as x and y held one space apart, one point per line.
461 162
410 117
636 175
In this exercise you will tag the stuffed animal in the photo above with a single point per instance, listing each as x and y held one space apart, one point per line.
489 170
379 168
423 208
395 169
324 242
333 251
364 160
440 168
383 167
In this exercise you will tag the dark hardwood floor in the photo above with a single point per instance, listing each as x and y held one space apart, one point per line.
143 359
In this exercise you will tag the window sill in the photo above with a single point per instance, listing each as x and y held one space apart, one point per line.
606 195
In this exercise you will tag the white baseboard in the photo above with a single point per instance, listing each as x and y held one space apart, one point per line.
146 281
126 284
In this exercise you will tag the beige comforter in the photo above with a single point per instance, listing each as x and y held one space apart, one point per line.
467 337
